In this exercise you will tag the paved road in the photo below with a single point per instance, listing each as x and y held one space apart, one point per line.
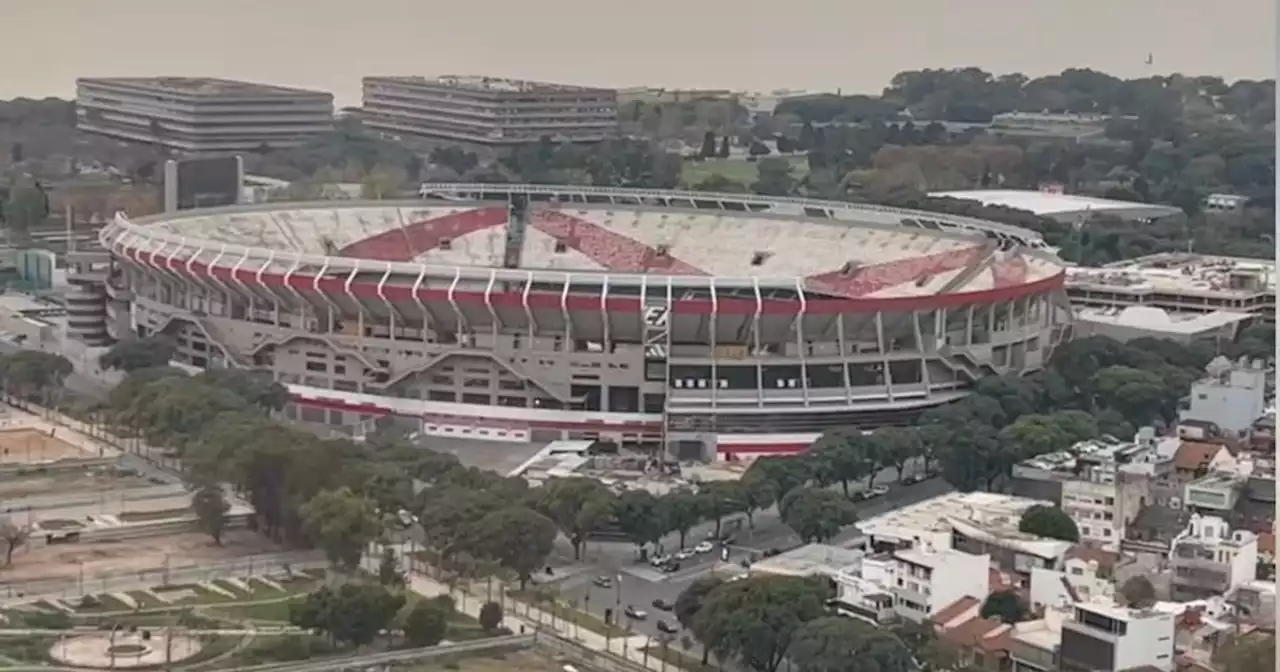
636 583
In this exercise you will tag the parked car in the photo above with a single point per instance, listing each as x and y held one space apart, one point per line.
671 567
635 614
704 547
659 560
666 627
663 605
684 554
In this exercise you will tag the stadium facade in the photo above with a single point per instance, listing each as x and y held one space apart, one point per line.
716 323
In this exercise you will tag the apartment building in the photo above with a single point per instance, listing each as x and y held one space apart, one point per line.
928 579
1232 396
489 111
878 587
201 115
1101 484
1211 559
1101 635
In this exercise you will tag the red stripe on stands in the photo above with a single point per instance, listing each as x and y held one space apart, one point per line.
551 301
866 280
406 243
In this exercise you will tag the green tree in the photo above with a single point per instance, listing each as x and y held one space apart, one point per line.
641 516
1006 606
784 473
839 644
517 537
898 446
773 177
718 499
1049 521
578 507
816 515
755 620
34 374
257 387
428 622
1255 652
13 536
342 524
684 510
758 494
841 456
211 507
142 353
26 208
1137 592
689 602
389 572
352 613
490 616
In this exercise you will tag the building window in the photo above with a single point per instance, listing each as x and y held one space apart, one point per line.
317 366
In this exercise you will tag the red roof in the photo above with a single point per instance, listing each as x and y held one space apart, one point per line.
1196 455
955 609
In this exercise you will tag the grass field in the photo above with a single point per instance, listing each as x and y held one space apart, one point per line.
738 170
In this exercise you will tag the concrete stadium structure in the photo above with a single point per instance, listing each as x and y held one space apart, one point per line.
716 323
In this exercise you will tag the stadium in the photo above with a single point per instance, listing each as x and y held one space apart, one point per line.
714 324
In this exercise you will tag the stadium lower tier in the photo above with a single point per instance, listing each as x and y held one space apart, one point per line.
524 364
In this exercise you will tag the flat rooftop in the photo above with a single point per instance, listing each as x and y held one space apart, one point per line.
480 83
988 517
205 87
1181 273
810 559
1151 318
1048 204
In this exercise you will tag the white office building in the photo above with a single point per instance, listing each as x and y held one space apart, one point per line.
1102 635
1209 559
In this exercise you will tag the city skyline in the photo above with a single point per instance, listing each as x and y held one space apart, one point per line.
716 44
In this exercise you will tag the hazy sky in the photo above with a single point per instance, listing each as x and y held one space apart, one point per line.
748 44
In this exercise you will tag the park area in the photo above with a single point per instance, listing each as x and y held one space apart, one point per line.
38 446
739 170
219 624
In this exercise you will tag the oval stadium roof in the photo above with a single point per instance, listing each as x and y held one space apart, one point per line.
1065 207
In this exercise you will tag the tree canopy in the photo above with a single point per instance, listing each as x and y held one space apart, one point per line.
1049 521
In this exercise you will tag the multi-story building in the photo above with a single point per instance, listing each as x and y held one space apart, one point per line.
928 579
1211 559
201 115
1179 283
1093 635
1101 484
912 583
489 110
1101 635
1233 395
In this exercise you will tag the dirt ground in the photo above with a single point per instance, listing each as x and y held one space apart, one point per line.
62 561
30 446
67 481
527 660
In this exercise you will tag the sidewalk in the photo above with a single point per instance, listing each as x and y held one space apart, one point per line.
534 619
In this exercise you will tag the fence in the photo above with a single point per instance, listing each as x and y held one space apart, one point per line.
598 661
265 564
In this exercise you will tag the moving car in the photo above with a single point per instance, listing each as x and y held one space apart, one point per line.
659 560
603 581
684 554
704 547
666 627
636 614
671 567
663 605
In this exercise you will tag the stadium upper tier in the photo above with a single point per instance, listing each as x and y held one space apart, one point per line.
831 257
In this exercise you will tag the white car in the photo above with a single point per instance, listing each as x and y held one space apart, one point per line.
704 547
659 560
877 491
684 554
